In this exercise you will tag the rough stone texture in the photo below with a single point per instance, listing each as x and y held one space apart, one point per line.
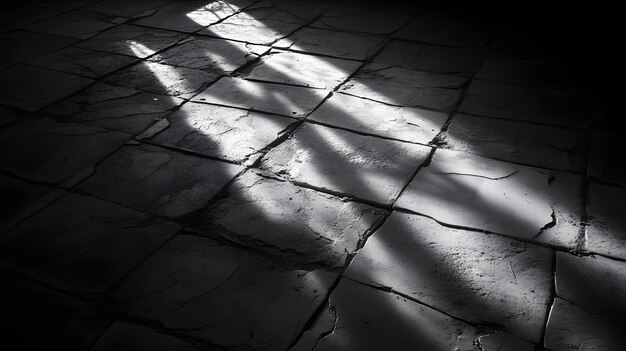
480 193
214 55
445 29
228 133
297 226
83 245
527 72
133 41
354 19
354 46
50 152
606 165
503 341
127 8
370 319
404 87
266 97
122 336
119 108
19 45
366 167
31 88
300 69
158 180
431 58
366 116
77 24
163 79
570 109
606 231
519 142
223 295
17 195
460 272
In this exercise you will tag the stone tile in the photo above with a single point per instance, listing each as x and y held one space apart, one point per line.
159 181
519 142
218 131
432 58
163 79
448 29
404 87
17 195
85 63
19 16
485 279
260 96
366 167
61 5
223 296
544 106
354 46
305 70
606 163
296 226
31 88
527 72
355 19
191 16
119 108
572 328
50 152
389 322
19 45
86 244
127 8
606 230
471 191
367 116
77 24
214 55
122 336
503 341
133 41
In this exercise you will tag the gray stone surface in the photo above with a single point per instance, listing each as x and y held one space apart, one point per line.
448 29
354 46
300 69
355 19
83 245
265 97
228 133
14 17
158 180
480 193
366 167
519 142
127 8
527 72
299 227
481 278
222 295
367 116
502 341
82 62
606 230
17 195
77 24
404 87
605 164
122 336
20 45
31 88
60 5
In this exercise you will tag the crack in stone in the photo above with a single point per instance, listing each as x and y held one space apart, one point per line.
476 175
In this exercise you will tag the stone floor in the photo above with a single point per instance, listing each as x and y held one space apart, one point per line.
284 175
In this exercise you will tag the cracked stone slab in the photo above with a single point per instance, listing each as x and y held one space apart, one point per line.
275 98
470 191
163 79
371 319
77 24
606 164
527 72
133 41
211 54
122 336
572 328
51 152
299 227
367 116
12 18
431 58
17 195
119 108
127 8
532 144
31 88
159 181
222 295
87 244
485 279
366 167
404 87
355 46
354 19
228 133
82 62
20 45
300 69
545 106
503 341
191 16
606 230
